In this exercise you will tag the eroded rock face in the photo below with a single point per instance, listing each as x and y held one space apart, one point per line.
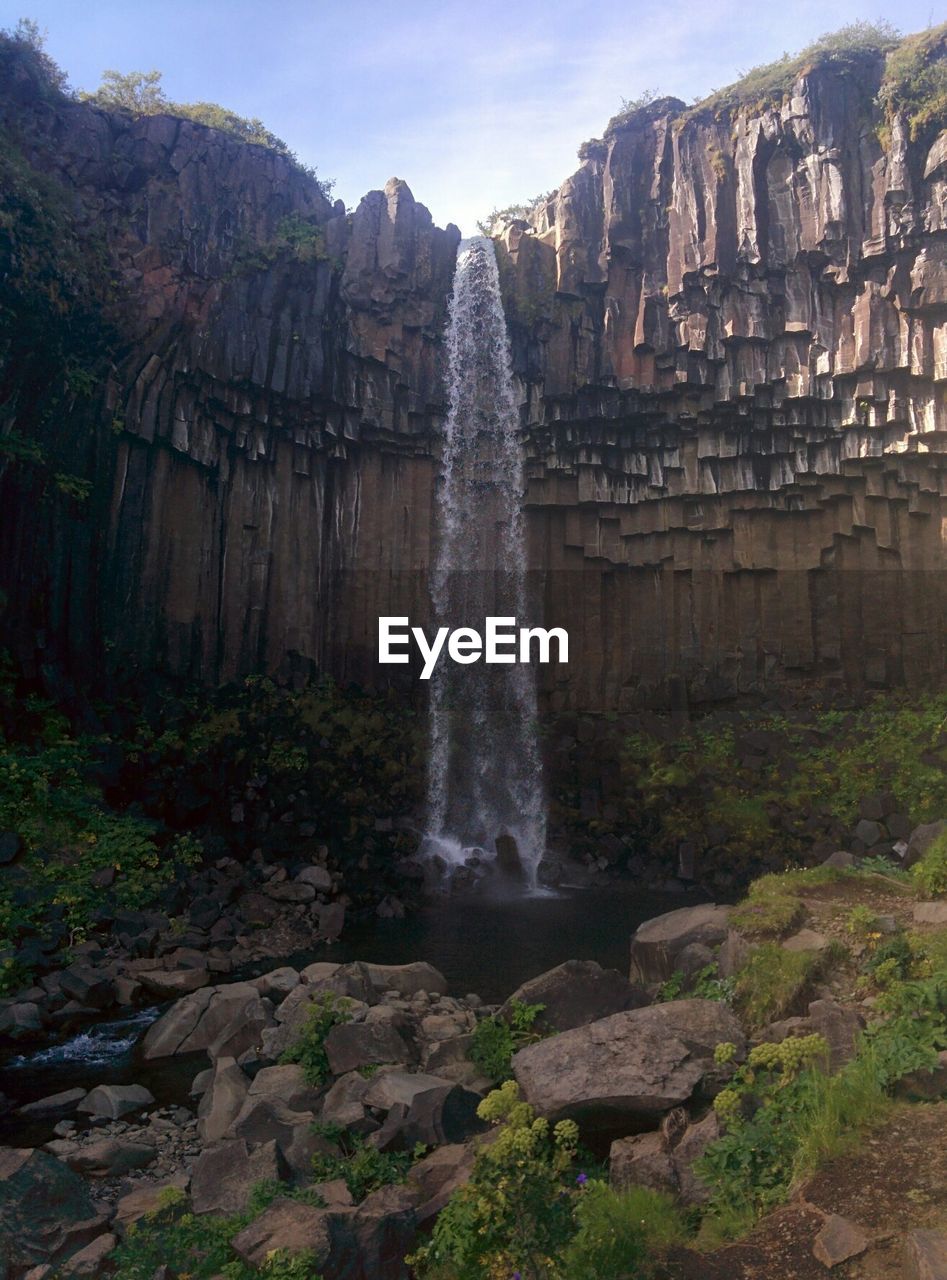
729 332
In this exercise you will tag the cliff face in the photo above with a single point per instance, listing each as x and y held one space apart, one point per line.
262 439
732 332
732 338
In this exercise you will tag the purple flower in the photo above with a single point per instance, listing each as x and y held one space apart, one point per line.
582 1179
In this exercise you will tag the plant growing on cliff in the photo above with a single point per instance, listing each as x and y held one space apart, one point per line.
497 1038
363 1168
915 82
327 1010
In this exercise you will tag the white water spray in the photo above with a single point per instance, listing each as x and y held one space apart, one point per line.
484 771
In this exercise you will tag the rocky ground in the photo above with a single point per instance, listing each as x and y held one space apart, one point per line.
631 1058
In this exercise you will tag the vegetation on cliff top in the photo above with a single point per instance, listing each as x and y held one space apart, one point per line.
913 81
137 92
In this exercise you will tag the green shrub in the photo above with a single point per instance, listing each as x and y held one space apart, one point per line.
363 1168
515 1214
327 1010
930 874
706 984
620 1233
496 1039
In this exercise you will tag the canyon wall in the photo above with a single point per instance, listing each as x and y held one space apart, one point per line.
731 335
732 332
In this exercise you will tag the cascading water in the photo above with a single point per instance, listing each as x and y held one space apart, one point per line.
485 773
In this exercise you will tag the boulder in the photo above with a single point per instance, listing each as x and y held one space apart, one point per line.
21 1021
627 1070
144 1200
267 1119
381 1232
920 841
642 1160
838 1240
407 979
344 1104
225 1021
45 1210
438 1176
692 1144
931 912
290 1225
926 1084
86 985
224 1175
111 1157
390 1088
925 1255
90 1260
287 1084
278 983
318 877
575 993
330 920
112 1101
54 1107
806 940
360 1044
445 1114
173 982
733 954
222 1101
290 891
657 944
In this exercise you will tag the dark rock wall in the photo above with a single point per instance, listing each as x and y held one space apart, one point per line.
265 435
732 339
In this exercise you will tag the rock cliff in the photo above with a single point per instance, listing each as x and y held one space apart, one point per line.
731 330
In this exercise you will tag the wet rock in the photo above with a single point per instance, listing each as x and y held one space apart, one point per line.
629 1068
112 1101
22 1021
57 1104
575 993
224 1175
838 1240
112 1157
657 944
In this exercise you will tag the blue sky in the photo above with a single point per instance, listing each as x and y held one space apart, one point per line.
474 106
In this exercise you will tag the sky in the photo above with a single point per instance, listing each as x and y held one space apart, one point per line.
475 106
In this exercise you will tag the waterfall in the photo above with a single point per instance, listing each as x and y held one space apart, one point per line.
485 782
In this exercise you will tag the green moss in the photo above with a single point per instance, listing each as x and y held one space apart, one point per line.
915 82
